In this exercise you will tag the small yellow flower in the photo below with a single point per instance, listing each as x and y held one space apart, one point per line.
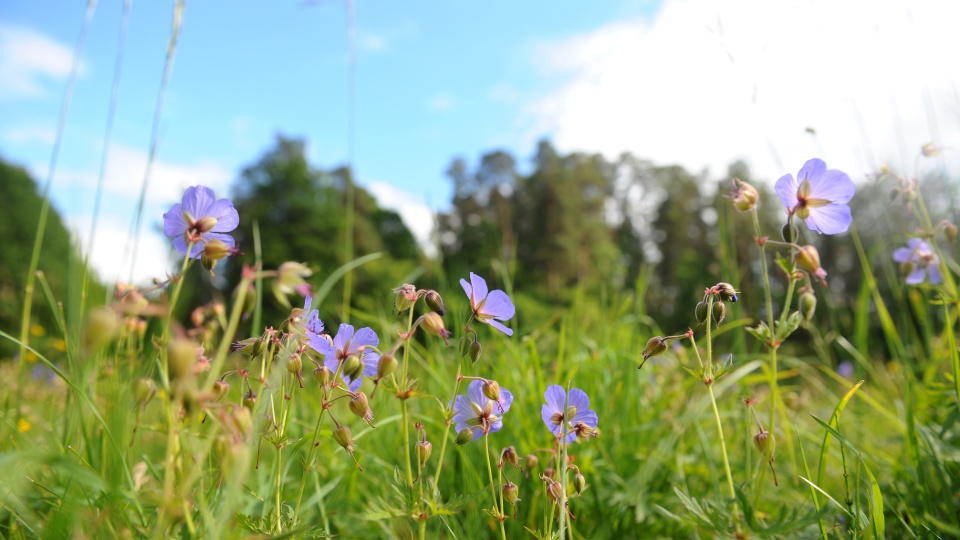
23 426
37 331
59 345
31 357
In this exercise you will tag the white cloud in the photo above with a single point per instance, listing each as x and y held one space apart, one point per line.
29 61
705 83
415 213
29 134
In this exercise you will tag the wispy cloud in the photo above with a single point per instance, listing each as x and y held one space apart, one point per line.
704 83
415 213
29 134
30 62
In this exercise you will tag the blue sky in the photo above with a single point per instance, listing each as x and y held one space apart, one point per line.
694 82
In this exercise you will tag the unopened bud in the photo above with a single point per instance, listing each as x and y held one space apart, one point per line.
808 305
143 391
213 252
220 389
290 278
509 455
433 324
579 483
727 292
475 351
510 492
352 367
464 436
295 364
491 389
322 375
406 297
655 345
789 232
906 267
555 491
100 329
531 461
361 407
744 195
181 356
550 473
343 437
435 302
250 346
719 310
386 366
700 312
765 443
930 149
250 399
240 420
950 231
808 258
424 449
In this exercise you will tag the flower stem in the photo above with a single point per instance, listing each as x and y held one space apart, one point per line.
493 487
774 389
310 456
562 469
403 399
446 429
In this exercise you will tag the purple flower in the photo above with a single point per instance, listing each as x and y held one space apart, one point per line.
581 421
480 413
818 196
346 343
919 261
200 218
313 324
490 308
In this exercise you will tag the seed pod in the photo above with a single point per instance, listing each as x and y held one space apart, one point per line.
555 491
386 366
765 443
719 310
295 364
656 345
406 297
550 473
250 399
475 351
950 231
322 375
789 232
701 312
220 389
531 461
343 437
509 455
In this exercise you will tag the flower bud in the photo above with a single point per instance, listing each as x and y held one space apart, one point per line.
435 302
250 399
930 149
143 391
250 346
406 297
386 366
464 436
240 421
550 473
719 310
579 483
475 351
213 252
531 461
727 292
352 367
789 232
700 312
101 327
744 195
555 491
950 231
290 278
491 389
361 407
510 492
509 455
808 259
433 324
343 437
322 375
424 449
907 267
295 364
656 345
181 356
220 389
765 443
808 305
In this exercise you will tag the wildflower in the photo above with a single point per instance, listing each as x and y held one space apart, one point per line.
488 308
23 425
290 279
577 412
313 326
348 344
476 410
919 262
818 196
200 218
